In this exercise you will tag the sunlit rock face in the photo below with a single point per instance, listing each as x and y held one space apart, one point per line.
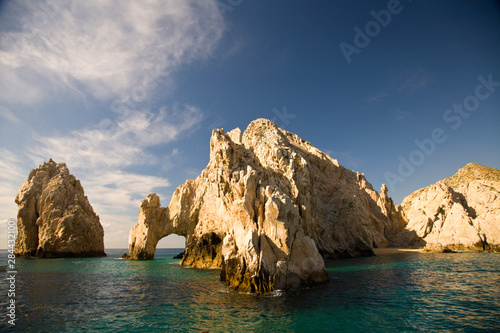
267 209
460 212
55 218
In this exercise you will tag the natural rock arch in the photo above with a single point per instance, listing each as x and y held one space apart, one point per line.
266 209
153 225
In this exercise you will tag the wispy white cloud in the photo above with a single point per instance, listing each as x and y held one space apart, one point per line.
11 178
8 191
412 81
170 160
399 114
10 165
377 98
102 48
408 82
119 190
192 172
116 197
121 144
346 158
8 115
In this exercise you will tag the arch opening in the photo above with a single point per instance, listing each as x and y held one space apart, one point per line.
173 244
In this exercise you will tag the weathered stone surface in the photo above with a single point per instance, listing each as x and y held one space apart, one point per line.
55 218
267 209
460 212
142 239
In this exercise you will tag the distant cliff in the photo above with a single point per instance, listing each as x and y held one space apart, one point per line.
267 209
460 212
55 218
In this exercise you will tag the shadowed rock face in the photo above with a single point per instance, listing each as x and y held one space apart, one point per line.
460 212
55 218
267 208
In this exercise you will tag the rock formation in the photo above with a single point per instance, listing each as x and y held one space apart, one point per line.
267 209
460 212
55 218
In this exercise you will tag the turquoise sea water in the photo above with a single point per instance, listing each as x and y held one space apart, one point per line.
404 292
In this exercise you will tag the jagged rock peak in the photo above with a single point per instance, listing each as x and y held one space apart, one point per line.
267 209
459 212
472 172
55 218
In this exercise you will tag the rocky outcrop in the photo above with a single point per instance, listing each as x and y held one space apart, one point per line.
460 212
55 218
267 209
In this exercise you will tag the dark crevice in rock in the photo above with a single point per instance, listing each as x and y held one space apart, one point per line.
204 252
180 255
470 210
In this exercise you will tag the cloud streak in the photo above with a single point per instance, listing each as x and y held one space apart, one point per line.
121 144
399 114
346 158
100 48
8 115
11 179
408 83
116 196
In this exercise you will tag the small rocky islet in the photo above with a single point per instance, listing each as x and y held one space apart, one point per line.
267 210
55 218
457 213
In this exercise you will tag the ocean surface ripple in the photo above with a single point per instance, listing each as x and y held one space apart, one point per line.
403 292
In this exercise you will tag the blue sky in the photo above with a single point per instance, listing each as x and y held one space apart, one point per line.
127 92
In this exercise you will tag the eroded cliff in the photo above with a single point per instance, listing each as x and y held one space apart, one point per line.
55 218
267 209
460 212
